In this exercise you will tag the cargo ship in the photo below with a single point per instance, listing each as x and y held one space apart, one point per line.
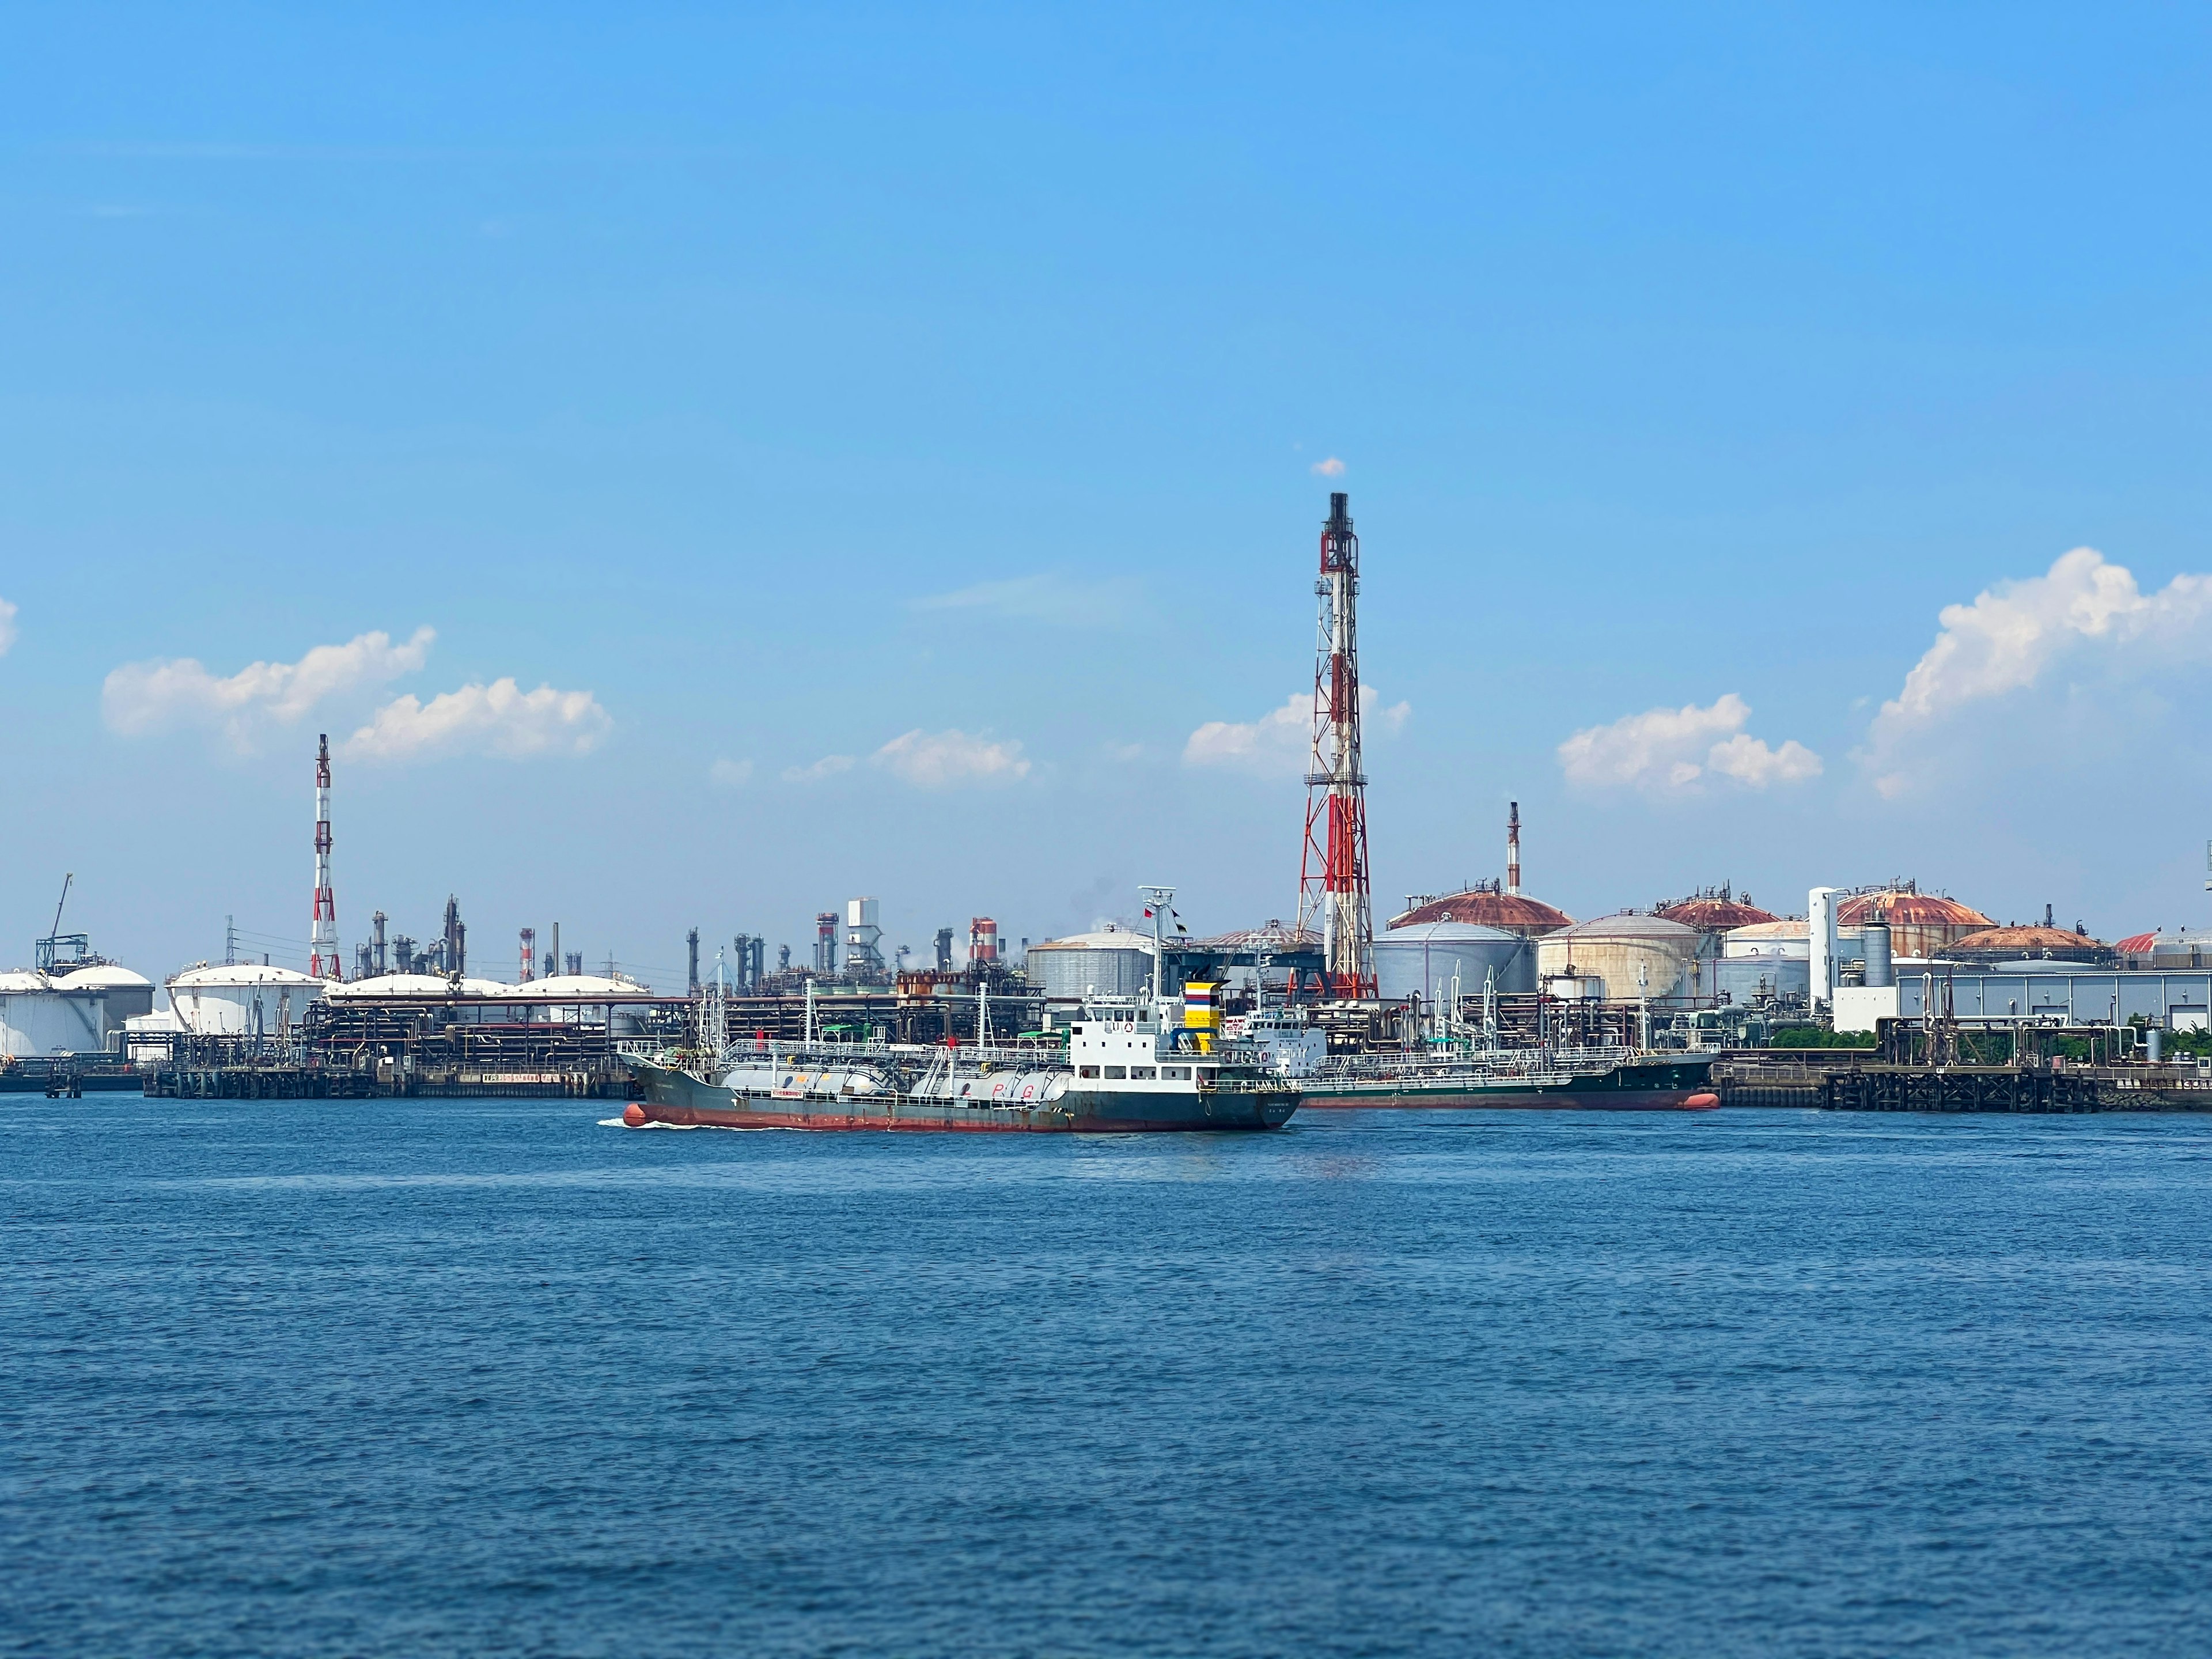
1122 1071
1571 1081
1463 1075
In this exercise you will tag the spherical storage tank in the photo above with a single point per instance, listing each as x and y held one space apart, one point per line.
1108 963
1611 948
1420 960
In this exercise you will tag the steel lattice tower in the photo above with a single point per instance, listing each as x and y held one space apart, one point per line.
1333 885
323 941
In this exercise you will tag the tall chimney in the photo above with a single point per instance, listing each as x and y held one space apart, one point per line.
1513 846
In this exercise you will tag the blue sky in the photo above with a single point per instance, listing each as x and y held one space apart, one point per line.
875 442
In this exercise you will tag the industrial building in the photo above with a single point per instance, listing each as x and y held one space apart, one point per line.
2036 994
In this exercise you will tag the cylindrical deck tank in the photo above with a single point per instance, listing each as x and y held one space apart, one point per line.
1612 948
1420 961
1108 963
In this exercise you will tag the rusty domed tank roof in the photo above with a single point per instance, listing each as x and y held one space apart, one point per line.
1711 914
1902 907
1515 912
2034 941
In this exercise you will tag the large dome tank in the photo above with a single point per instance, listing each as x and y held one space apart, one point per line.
1111 963
242 999
1611 949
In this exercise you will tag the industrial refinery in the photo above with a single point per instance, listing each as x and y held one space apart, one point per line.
1486 968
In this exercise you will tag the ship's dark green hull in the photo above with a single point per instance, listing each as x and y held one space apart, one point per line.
1641 1085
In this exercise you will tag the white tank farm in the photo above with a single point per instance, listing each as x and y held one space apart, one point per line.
242 999
1611 949
1108 963
1420 960
553 999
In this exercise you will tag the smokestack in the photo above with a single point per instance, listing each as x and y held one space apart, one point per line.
557 958
377 922
322 938
691 939
1513 846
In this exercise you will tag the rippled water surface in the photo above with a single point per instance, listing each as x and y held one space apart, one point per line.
490 1376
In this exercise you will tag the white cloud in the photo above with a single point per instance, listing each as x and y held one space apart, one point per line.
7 626
1046 597
499 719
1675 749
729 773
1749 760
2084 611
149 697
1331 468
935 760
828 767
1281 740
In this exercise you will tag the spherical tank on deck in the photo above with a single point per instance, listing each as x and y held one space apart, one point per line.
1611 948
1422 959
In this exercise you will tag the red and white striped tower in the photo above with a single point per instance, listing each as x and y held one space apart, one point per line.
323 942
1333 886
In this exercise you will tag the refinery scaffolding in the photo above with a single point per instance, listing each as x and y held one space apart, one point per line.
1334 897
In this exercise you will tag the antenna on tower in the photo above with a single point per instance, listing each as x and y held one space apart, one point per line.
323 941
1333 885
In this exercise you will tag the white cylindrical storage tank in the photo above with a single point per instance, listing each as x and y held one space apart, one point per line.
1769 941
1744 980
1421 960
1820 917
37 1017
242 999
1611 949
127 995
1107 964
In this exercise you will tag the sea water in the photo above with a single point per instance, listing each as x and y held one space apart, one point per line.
495 1376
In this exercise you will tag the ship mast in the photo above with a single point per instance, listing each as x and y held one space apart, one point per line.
1333 885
